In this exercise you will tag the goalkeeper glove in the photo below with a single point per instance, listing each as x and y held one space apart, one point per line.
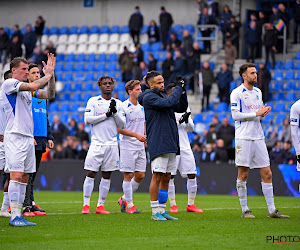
298 159
112 108
181 81
185 117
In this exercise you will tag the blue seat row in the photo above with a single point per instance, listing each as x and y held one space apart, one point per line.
87 58
90 76
91 66
289 75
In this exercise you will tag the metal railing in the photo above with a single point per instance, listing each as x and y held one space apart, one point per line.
213 39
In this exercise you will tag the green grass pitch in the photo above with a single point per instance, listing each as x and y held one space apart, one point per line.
219 227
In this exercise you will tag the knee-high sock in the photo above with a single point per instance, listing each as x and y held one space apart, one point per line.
171 193
154 206
5 203
103 191
88 187
22 193
127 189
14 194
192 190
162 199
267 189
242 192
135 185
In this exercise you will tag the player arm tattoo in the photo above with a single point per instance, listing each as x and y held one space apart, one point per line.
51 88
33 86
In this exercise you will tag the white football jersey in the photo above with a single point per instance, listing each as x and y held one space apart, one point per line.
17 107
184 142
294 121
135 122
104 132
247 101
2 117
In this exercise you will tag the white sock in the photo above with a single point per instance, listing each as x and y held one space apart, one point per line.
103 191
88 187
267 189
5 203
192 190
171 193
242 192
22 193
14 194
135 185
127 189
155 206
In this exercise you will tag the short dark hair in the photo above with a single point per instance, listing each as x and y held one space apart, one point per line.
101 78
15 63
244 68
162 8
150 75
130 85
7 74
32 65
170 87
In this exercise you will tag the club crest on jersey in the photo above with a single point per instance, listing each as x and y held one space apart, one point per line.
246 96
294 120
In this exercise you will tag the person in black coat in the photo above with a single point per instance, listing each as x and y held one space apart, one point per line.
82 134
179 66
296 20
59 130
152 65
4 42
224 77
252 38
167 67
166 21
17 32
153 32
263 79
29 41
136 23
233 33
221 152
14 49
162 135
39 29
269 41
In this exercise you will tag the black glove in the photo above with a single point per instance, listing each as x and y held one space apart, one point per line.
112 108
181 81
185 117
298 158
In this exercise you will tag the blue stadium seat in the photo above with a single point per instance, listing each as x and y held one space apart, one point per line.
277 85
222 107
162 56
102 58
84 30
230 120
89 76
91 58
79 67
90 67
120 86
291 97
70 58
60 57
178 28
80 58
279 107
112 58
59 67
212 65
68 67
280 118
288 65
46 31
155 47
268 118
64 118
54 30
290 86
75 117
59 76
278 75
233 85
94 29
297 55
111 67
279 96
208 118
86 97
190 28
115 29
53 107
222 116
100 67
76 97
144 30
198 118
124 29
278 65
64 107
297 66
104 29
68 76
77 87
121 96
79 76
64 30
51 118
145 47
67 87
74 107
289 75
65 97
96 87
88 87
298 76
73 30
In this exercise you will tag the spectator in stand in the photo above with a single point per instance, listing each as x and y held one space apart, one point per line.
179 66
17 32
39 29
153 32
14 49
58 154
271 140
201 5
136 23
197 51
263 79
216 122
211 136
152 65
207 80
230 54
276 154
82 134
126 65
226 133
261 21
140 72
166 21
270 41
288 156
70 151
208 154
83 151
188 42
73 128
206 19
233 33
197 152
225 20
4 43
252 39
193 67
29 41
275 15
296 20
167 67
224 77
59 130
285 134
50 48
174 42
284 15
138 55
221 152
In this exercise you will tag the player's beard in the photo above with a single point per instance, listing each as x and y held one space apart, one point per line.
253 82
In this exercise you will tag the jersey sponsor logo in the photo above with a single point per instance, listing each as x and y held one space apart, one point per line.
40 110
252 106
88 110
233 104
137 119
100 113
294 120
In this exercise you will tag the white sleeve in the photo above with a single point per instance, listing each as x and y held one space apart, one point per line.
190 125
11 85
237 115
120 117
294 122
89 115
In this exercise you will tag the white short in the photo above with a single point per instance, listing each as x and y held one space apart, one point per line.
106 157
185 163
2 156
165 163
19 153
133 160
252 154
